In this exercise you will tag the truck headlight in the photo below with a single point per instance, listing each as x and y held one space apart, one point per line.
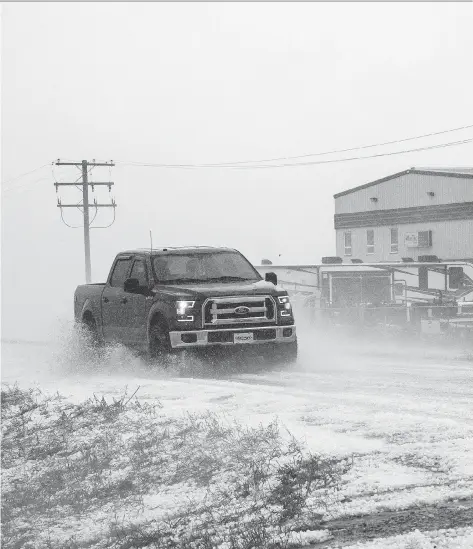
182 310
285 303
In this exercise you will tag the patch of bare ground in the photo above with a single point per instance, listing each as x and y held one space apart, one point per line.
350 530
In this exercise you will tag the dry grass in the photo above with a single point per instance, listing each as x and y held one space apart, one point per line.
124 475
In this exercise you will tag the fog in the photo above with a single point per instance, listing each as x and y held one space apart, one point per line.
208 83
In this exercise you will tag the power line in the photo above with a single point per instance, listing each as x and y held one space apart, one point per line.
348 150
439 146
334 151
23 186
294 164
103 226
30 172
241 163
23 175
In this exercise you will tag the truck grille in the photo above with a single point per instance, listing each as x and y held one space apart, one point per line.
239 310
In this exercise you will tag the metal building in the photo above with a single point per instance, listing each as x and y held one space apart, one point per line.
420 211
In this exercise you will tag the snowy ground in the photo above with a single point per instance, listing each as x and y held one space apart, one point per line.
402 412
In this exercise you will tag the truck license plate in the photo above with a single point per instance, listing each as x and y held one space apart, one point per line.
246 337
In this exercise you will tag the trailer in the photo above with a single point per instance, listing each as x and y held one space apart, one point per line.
437 289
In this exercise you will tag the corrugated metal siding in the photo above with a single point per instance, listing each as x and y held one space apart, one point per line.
398 216
405 192
450 240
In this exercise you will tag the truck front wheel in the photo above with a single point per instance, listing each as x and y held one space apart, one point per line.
159 341
284 353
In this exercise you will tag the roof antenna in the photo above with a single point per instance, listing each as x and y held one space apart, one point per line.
151 241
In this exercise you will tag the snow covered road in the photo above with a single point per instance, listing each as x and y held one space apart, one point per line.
404 413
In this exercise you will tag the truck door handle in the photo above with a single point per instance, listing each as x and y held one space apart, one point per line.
105 299
123 300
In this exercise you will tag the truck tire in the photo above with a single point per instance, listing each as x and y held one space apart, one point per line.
159 341
89 327
284 353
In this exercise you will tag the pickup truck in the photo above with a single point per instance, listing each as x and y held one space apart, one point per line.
170 299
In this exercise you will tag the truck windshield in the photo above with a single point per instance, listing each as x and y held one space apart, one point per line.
203 267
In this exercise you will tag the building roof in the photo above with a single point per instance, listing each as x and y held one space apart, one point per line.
461 173
463 170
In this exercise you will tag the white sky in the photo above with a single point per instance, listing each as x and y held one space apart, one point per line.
211 82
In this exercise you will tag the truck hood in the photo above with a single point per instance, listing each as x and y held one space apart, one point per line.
216 289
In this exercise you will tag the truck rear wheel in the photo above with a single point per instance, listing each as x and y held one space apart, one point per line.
159 341
90 331
91 343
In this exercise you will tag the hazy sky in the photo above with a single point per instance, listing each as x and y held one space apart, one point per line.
211 82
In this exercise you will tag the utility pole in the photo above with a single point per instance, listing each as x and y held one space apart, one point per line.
85 195
85 205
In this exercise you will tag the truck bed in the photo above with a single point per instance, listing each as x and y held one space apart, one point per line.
88 292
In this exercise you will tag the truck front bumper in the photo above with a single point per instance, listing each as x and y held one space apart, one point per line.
233 336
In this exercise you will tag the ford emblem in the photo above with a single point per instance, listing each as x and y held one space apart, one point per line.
242 310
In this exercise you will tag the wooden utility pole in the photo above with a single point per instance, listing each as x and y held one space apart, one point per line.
85 199
85 205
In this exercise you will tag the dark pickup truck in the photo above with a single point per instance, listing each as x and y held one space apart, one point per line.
169 299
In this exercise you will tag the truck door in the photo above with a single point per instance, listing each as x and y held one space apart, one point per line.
114 300
137 306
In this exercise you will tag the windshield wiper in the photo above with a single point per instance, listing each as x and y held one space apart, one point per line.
205 280
228 278
180 280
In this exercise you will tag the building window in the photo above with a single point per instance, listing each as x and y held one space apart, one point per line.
370 241
347 242
424 239
394 241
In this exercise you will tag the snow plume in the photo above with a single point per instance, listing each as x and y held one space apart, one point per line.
73 355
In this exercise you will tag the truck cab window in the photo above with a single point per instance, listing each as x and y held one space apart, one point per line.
139 271
119 275
203 267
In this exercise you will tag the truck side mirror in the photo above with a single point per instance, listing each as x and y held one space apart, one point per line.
271 277
131 285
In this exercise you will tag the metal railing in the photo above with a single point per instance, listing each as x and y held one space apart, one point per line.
418 317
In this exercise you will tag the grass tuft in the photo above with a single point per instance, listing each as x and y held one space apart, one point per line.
123 474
